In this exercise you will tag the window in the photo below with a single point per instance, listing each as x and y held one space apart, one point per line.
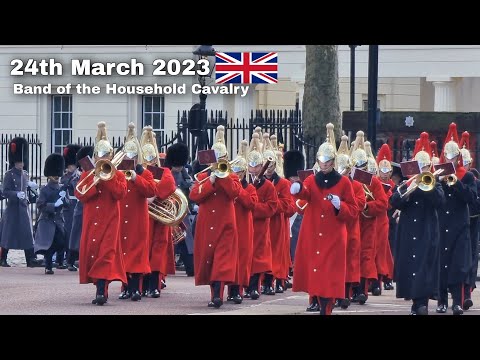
61 122
153 113
365 105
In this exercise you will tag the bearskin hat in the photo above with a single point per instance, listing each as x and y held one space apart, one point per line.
177 155
83 152
293 160
54 165
70 154
18 152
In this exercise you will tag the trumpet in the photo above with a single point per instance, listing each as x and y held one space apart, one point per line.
221 169
104 170
424 181
450 179
128 174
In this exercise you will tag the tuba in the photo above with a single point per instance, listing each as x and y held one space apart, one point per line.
171 211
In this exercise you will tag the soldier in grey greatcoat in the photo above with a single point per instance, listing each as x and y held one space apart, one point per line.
16 223
76 231
66 181
50 234
176 159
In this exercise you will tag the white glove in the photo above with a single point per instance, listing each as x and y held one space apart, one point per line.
295 188
33 185
441 178
195 208
59 203
150 200
62 194
335 202
21 195
134 175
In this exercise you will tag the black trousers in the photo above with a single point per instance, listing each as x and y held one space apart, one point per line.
57 243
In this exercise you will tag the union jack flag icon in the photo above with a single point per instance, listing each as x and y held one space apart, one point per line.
246 68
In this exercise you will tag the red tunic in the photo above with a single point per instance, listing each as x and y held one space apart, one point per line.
216 241
134 223
100 246
278 226
353 237
320 257
368 229
159 233
383 256
244 204
264 210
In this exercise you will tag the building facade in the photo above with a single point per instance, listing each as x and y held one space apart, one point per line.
411 78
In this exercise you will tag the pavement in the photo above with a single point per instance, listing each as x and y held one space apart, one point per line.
28 291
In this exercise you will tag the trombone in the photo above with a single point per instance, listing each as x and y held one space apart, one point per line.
425 181
221 169
104 170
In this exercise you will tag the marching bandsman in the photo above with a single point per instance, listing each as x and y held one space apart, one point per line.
16 229
376 204
320 259
176 160
285 209
293 161
50 235
352 275
68 182
456 248
101 260
417 248
264 209
134 218
384 258
160 235
244 205
474 211
216 241
77 221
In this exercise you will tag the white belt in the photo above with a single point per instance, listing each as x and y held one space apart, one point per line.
72 197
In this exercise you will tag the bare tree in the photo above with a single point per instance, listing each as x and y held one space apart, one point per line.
321 101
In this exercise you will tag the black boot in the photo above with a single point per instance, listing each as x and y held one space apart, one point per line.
48 262
442 301
362 296
467 297
268 289
279 289
314 306
387 284
31 260
3 258
253 287
100 297
376 289
145 285
235 294
154 284
134 284
217 300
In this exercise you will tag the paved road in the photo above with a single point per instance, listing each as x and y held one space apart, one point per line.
30 291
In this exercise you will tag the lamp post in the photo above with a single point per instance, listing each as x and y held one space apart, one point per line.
352 76
372 94
198 125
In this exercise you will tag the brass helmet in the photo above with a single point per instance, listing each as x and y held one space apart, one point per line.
241 163
327 151
343 159
102 145
465 148
219 146
371 162
132 145
149 146
384 159
358 156
254 156
422 151
278 149
451 148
